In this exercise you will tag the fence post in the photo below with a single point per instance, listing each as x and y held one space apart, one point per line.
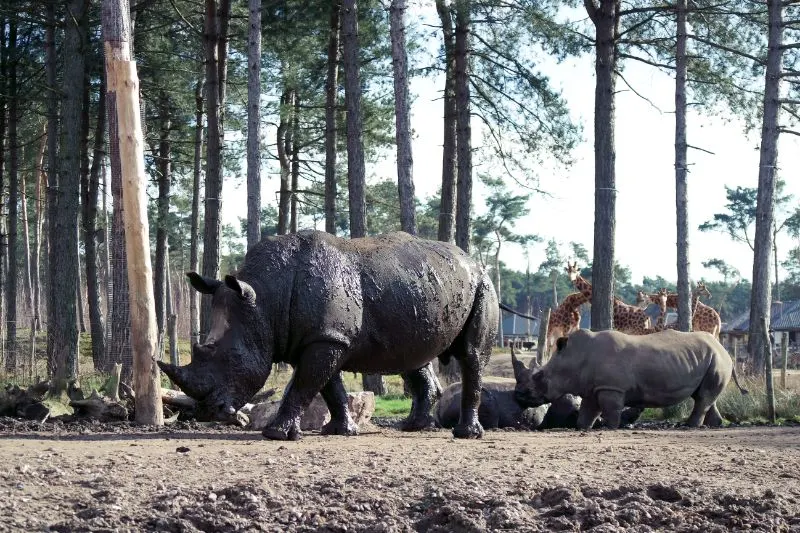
784 357
768 371
544 323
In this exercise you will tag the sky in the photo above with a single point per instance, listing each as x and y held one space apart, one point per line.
645 210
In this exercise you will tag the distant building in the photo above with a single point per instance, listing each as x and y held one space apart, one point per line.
784 320
518 328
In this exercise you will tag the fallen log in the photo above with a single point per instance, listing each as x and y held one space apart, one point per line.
100 408
177 399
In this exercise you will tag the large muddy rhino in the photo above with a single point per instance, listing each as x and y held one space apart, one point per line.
610 370
386 304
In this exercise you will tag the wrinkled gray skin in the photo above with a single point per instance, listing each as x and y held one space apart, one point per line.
498 409
610 370
387 304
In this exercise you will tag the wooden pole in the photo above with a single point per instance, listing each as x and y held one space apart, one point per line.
784 357
544 323
123 80
768 371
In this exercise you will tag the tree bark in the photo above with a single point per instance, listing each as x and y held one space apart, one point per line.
606 19
331 85
402 112
13 197
122 79
447 207
62 330
284 146
253 120
164 176
117 34
91 194
41 184
352 96
215 37
3 106
295 160
761 295
463 125
681 170
194 297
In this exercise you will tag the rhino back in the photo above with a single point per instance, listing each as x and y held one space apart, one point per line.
396 301
657 369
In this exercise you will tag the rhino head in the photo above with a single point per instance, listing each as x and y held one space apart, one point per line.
535 386
234 363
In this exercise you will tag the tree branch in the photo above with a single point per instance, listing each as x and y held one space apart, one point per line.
700 149
789 46
787 130
647 61
725 48
789 101
591 9
637 93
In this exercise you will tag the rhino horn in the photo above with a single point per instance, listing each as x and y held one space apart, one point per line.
519 366
177 374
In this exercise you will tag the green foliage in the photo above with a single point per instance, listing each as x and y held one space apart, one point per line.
392 406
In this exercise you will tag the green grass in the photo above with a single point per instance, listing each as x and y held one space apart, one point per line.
392 406
737 408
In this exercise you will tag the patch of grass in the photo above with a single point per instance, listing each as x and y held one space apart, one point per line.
392 406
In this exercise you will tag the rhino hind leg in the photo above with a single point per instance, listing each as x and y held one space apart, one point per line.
425 390
335 397
611 404
705 398
315 368
713 418
472 350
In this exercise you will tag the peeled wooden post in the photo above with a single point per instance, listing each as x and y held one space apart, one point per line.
544 323
784 357
768 371
122 80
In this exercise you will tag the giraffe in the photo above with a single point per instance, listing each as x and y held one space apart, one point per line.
629 319
564 319
704 317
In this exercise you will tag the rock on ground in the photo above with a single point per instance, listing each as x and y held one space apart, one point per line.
360 404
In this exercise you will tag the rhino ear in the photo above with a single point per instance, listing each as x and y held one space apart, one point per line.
201 353
242 288
561 343
203 284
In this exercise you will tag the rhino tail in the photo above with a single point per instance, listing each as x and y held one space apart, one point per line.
736 380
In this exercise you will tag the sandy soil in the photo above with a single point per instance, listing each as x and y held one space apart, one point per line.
191 478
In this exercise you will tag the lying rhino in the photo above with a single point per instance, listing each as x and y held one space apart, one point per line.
498 409
386 304
611 370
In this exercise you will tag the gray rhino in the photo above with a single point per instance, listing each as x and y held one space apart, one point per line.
611 370
386 304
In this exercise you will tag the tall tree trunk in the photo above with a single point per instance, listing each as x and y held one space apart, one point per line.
402 112
107 276
331 85
499 294
253 119
3 105
13 198
62 331
194 297
464 127
164 177
41 185
119 350
215 37
605 17
123 80
81 313
295 160
352 96
284 146
52 170
447 207
355 147
775 261
91 194
172 318
681 182
761 295
26 236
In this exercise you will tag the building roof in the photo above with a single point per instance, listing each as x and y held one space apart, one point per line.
784 316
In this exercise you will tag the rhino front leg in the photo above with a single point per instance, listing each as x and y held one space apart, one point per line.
588 413
314 369
425 390
611 404
335 397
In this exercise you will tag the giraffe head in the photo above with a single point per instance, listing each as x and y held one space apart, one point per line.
572 271
662 295
702 290
642 299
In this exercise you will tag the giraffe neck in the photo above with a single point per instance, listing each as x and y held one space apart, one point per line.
584 286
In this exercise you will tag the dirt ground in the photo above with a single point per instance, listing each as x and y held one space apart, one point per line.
191 478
